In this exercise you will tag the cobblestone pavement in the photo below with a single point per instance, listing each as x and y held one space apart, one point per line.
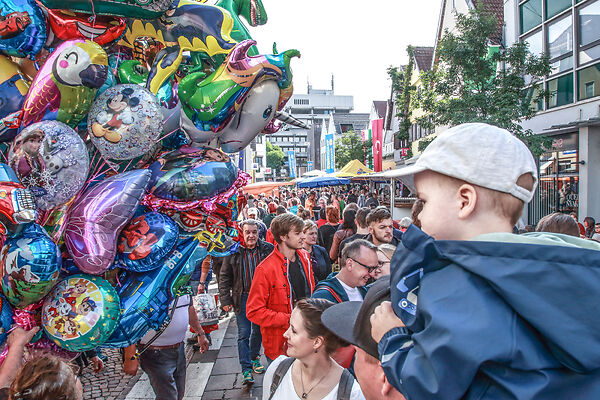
110 383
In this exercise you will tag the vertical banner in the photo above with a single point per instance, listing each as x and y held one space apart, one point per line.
292 163
242 160
369 160
309 166
329 153
377 131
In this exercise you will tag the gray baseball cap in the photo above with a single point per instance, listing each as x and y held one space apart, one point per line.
480 154
351 320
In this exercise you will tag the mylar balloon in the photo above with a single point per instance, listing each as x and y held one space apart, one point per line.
68 25
13 89
17 204
149 9
6 319
96 218
22 28
81 312
125 122
50 158
146 241
30 266
65 86
189 174
145 297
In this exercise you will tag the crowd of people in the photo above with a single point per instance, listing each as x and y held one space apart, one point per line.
455 302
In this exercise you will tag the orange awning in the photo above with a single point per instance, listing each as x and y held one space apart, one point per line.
264 187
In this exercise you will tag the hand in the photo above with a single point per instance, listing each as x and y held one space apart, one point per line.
383 320
200 288
130 367
226 308
203 344
20 337
97 364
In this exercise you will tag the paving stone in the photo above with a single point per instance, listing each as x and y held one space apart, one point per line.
216 382
240 394
227 352
213 395
226 366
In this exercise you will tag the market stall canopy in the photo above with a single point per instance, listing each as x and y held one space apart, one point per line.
257 188
326 180
390 174
352 169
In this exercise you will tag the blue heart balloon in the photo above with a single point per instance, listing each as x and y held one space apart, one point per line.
31 265
6 318
146 241
22 28
145 297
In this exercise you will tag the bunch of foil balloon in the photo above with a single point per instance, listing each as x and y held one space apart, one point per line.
116 125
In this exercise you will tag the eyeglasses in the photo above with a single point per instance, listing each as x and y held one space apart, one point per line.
369 268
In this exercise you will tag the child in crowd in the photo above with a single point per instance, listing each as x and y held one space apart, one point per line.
499 316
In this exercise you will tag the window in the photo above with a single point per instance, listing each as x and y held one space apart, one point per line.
532 93
535 43
561 91
259 161
589 27
560 37
561 65
589 82
554 7
530 14
588 55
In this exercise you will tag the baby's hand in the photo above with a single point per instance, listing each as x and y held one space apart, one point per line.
383 320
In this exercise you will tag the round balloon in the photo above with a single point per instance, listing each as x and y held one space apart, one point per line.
6 319
146 241
30 266
125 122
13 89
81 312
50 158
192 173
22 28
96 218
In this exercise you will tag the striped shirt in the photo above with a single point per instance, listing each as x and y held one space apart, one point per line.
249 262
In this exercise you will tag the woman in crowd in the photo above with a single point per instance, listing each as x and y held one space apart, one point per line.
347 229
589 224
309 372
318 256
327 230
385 252
44 378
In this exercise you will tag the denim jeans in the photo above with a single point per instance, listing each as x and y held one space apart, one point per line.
249 338
166 371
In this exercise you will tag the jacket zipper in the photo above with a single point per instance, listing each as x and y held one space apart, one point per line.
287 275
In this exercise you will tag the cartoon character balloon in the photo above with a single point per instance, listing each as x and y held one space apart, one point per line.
191 173
65 86
6 319
146 241
22 28
68 25
97 217
125 122
30 266
50 158
81 312
145 297
13 89
17 204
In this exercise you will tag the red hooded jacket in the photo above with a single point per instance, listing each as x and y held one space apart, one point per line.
269 303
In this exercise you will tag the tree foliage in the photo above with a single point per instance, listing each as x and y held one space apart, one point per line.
275 157
471 84
351 147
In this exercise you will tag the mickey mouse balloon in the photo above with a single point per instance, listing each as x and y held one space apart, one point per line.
125 122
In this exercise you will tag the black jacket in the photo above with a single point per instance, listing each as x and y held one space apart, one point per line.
322 264
230 278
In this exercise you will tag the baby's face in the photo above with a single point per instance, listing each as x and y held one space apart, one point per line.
439 217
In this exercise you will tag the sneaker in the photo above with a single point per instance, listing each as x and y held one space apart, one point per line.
257 367
248 379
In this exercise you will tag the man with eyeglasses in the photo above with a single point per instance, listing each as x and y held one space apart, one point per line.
358 263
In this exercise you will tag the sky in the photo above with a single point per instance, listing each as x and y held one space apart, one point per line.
353 40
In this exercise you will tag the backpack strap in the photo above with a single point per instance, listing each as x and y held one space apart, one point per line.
280 372
345 385
333 293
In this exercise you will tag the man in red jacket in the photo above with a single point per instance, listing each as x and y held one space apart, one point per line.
280 280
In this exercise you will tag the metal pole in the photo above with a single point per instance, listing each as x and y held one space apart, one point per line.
392 196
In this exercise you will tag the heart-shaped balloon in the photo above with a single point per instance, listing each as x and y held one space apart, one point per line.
81 312
30 266
145 297
146 241
97 217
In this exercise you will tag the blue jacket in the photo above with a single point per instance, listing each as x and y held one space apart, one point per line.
331 289
500 317
323 264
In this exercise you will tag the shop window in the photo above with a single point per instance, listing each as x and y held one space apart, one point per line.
589 24
589 82
560 37
561 91
554 7
530 14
